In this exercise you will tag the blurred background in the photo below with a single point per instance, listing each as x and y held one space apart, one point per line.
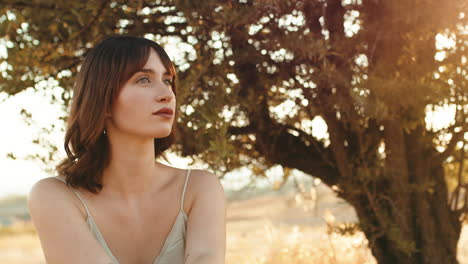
337 127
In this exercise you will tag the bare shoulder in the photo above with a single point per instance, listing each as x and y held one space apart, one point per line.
45 195
203 180
60 225
49 192
47 188
205 186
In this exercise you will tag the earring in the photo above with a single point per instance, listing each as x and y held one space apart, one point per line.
104 131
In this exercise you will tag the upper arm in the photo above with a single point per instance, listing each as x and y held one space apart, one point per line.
206 226
62 231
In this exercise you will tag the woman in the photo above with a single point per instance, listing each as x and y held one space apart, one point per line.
118 205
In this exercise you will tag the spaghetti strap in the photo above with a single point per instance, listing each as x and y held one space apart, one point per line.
183 192
77 194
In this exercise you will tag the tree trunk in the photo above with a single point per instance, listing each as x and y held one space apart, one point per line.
434 229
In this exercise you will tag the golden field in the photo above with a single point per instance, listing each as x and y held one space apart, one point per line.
272 228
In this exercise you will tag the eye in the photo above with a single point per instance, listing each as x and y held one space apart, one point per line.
169 81
144 79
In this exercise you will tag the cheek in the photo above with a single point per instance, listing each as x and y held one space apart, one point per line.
131 106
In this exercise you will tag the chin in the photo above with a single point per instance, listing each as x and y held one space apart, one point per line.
161 134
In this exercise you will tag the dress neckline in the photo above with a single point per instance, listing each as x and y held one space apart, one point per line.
161 252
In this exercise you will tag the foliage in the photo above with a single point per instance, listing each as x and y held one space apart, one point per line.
255 74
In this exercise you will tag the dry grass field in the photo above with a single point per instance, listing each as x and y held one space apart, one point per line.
272 228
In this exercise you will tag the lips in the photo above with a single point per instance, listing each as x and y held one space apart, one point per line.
164 110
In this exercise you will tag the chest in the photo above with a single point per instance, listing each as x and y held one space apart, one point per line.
140 243
139 236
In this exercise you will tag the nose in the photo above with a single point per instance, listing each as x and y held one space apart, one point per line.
164 97
167 95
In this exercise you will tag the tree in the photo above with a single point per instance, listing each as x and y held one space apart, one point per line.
369 68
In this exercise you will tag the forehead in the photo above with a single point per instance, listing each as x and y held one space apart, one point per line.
154 62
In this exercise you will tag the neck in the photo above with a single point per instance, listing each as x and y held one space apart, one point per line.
132 173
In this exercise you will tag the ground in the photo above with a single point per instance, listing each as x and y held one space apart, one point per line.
269 228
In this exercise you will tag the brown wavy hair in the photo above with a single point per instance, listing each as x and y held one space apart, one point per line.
104 70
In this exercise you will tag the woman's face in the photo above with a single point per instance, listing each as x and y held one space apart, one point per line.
146 92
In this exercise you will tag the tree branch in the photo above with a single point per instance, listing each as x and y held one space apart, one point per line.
313 10
279 146
93 20
17 5
232 130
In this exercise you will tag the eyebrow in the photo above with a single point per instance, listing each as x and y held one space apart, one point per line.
152 72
